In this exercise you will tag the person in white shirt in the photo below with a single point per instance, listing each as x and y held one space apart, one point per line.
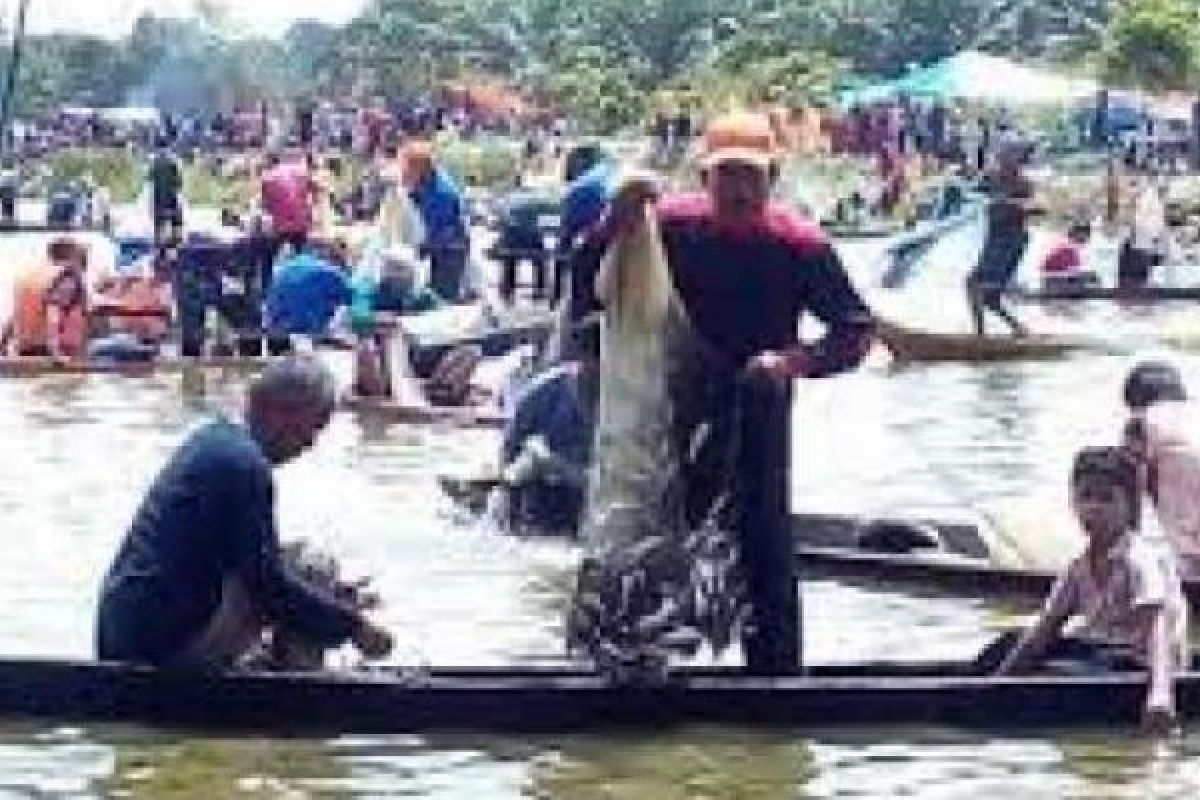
1163 435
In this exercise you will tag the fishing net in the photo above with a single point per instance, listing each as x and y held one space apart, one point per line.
659 580
281 648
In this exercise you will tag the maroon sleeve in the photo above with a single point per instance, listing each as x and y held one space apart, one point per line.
824 289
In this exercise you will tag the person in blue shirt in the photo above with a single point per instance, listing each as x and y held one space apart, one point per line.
547 445
591 180
306 291
199 576
440 201
522 238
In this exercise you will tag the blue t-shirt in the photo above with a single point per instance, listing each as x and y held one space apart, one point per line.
440 202
305 294
585 201
550 408
208 516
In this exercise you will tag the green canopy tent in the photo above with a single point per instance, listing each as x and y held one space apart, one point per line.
979 77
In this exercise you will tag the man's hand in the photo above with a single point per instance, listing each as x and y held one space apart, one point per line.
372 641
779 366
628 207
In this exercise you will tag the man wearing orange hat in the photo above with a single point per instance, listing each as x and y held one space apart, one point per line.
746 270
440 202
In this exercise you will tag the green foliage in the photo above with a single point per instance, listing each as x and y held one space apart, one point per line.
1152 44
114 169
602 61
482 161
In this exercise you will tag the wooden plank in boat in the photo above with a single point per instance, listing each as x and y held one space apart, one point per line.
530 700
910 346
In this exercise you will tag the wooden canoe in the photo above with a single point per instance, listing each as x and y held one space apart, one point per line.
565 700
1149 294
827 531
389 411
28 367
827 546
910 346
44 228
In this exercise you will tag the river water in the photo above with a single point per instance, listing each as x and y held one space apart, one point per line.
968 442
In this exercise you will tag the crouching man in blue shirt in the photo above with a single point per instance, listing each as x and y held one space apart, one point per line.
199 577
547 447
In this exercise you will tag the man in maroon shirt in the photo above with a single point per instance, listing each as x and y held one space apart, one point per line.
746 270
288 190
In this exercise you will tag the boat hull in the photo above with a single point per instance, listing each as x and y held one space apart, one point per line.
1149 294
30 367
909 346
561 700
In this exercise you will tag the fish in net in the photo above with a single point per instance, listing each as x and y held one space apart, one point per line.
660 579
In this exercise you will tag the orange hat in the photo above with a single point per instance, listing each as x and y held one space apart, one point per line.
741 137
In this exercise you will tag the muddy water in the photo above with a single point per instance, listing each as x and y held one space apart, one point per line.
78 452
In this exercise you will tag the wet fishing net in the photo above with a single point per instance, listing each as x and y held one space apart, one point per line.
660 580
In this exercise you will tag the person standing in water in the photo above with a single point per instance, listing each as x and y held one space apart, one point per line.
443 211
166 190
746 270
1005 240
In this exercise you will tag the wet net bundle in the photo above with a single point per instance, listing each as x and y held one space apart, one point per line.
659 580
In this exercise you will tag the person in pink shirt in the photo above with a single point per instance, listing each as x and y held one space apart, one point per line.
1062 268
1163 434
288 193
1121 597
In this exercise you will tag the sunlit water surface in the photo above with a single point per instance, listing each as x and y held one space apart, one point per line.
970 442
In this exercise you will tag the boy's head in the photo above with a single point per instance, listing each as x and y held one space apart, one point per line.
1152 382
1106 491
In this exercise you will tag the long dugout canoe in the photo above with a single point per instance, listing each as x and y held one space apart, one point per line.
565 700
828 546
45 228
911 346
826 531
1148 294
26 367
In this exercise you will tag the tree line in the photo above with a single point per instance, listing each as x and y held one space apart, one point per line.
606 62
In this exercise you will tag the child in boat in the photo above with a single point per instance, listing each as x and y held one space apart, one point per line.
1123 592
1163 436
1062 268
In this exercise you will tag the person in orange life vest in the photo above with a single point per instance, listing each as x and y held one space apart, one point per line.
138 305
49 305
